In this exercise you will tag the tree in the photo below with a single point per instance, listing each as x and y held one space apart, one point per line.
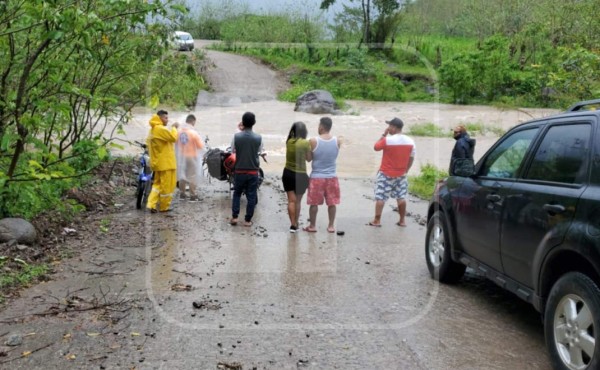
71 69
375 32
347 25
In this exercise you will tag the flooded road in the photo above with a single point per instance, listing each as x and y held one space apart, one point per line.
358 132
188 291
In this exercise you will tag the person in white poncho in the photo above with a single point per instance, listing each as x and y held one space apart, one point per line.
189 150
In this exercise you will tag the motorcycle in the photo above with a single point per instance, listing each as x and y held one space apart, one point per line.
144 185
219 164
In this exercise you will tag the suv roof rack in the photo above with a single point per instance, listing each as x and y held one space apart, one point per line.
577 106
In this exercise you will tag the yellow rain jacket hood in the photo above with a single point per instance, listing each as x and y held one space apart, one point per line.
161 145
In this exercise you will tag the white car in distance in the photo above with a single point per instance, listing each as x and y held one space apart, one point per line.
183 41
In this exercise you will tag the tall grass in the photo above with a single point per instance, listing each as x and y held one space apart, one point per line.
423 185
479 128
427 129
431 48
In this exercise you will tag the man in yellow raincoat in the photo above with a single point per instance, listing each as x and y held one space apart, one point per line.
161 147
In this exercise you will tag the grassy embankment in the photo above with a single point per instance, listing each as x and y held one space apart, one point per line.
405 72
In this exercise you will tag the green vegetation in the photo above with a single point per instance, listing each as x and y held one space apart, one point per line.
423 185
513 53
231 21
430 129
20 274
347 85
347 73
427 129
104 225
71 73
177 80
478 128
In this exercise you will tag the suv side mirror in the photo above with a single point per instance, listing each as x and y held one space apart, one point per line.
463 167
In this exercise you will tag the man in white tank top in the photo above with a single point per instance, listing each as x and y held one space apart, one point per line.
323 186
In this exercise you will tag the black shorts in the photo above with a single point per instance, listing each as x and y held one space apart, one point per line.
294 181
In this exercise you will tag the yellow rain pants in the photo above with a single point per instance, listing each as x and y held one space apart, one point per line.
163 187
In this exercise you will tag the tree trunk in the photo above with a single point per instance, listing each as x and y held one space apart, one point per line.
366 8
21 129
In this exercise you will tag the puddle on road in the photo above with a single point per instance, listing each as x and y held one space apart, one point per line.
162 261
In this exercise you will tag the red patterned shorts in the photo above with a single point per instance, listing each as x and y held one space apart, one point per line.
320 190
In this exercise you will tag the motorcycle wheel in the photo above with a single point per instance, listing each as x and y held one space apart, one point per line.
140 194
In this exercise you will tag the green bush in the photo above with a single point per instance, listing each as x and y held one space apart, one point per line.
350 84
481 75
28 199
479 128
427 129
176 81
423 185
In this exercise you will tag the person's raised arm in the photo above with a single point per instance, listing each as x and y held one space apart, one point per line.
165 134
308 155
380 144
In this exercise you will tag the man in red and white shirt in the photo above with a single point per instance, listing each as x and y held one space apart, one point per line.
398 156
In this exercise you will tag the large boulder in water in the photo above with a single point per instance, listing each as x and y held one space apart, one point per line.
17 229
316 102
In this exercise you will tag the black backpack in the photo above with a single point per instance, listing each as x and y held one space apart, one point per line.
214 163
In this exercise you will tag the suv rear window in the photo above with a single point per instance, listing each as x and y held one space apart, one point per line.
562 155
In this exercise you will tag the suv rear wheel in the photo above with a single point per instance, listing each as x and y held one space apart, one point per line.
437 251
572 321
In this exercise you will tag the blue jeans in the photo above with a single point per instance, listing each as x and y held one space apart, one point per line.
248 184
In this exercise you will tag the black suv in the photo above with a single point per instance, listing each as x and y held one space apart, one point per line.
527 216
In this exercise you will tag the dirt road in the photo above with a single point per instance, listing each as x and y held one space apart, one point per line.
188 290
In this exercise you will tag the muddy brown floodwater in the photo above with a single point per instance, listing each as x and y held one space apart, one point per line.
188 291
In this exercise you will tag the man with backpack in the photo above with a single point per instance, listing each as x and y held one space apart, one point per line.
463 148
246 146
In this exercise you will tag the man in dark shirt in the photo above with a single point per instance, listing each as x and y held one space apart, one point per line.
464 147
246 146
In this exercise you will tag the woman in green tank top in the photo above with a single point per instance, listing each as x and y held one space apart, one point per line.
295 178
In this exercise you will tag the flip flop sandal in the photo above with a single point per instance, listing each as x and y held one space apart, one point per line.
374 225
